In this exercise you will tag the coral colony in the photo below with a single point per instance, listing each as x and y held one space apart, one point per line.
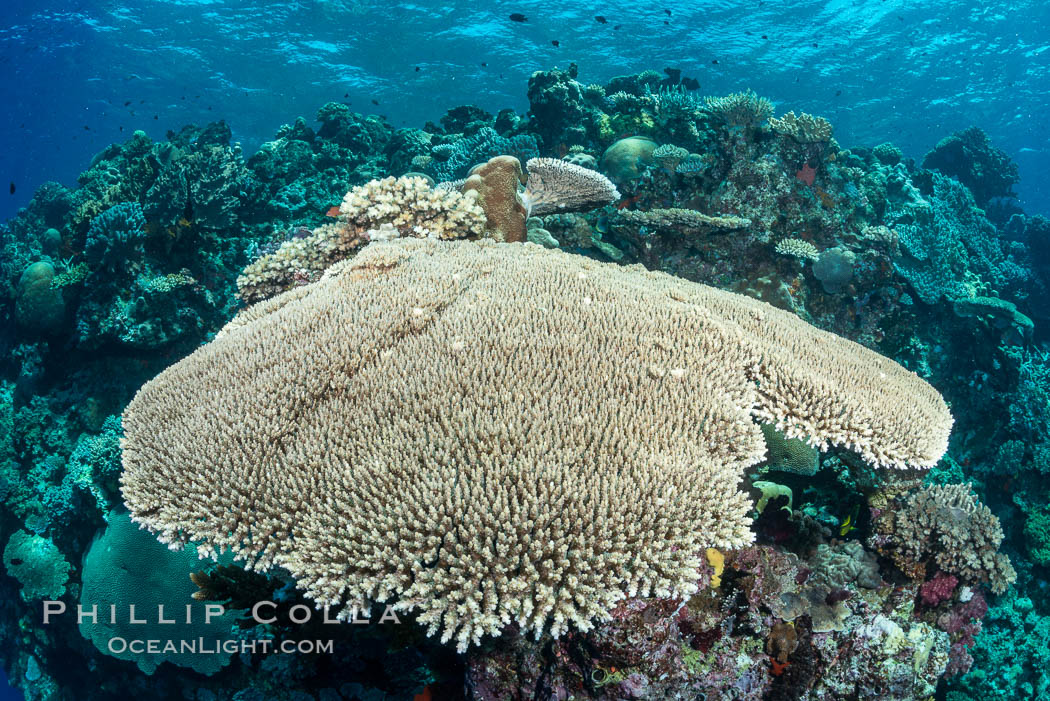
644 394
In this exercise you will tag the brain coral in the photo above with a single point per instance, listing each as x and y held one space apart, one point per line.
38 307
497 432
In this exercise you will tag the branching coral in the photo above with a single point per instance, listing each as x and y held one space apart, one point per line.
797 248
803 128
969 157
405 206
682 221
116 237
946 524
742 109
452 160
494 433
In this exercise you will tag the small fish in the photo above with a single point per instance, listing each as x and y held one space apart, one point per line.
12 188
617 27
555 43
375 102
714 61
668 12
850 522
156 116
332 211
417 69
484 65
518 17
601 20
128 102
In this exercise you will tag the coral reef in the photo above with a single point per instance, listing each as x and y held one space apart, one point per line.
860 582
969 157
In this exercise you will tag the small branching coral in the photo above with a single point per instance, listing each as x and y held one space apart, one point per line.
803 128
681 221
116 237
380 209
742 109
798 248
946 524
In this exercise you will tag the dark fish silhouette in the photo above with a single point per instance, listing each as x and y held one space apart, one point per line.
518 17
617 27
375 102
12 188
127 103
417 69
555 43
668 12
601 20
714 61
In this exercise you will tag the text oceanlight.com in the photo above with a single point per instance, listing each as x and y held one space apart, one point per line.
262 612
201 646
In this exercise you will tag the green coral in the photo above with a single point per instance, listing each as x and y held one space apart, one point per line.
127 566
94 465
1012 653
74 276
790 454
37 564
1037 535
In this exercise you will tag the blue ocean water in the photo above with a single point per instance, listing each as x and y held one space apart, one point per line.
80 75
403 423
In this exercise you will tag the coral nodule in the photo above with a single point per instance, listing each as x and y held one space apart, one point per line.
493 433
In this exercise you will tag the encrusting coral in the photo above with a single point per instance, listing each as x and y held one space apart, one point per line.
493 433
